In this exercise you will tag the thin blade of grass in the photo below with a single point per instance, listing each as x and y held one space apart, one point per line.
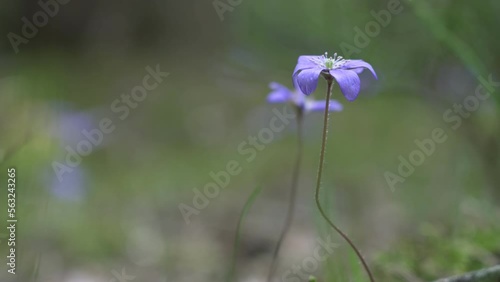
439 30
244 211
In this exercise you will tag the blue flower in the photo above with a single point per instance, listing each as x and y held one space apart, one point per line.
281 94
345 72
71 187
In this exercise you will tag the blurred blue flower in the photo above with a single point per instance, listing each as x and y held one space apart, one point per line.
73 186
69 126
281 94
345 72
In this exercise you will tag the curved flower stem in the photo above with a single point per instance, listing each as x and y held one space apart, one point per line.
291 200
318 182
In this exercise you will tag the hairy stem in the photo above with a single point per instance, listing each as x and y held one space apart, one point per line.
291 200
318 182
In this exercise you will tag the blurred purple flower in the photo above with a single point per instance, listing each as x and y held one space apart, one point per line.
345 72
281 94
69 127
72 187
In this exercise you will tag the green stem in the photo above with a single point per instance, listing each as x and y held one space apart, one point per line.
318 183
38 259
246 208
491 274
291 200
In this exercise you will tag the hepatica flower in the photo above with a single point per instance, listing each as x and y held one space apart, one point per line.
345 72
303 103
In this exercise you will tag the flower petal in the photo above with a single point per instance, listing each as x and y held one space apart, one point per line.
279 93
358 71
307 80
317 106
299 99
307 62
348 81
358 66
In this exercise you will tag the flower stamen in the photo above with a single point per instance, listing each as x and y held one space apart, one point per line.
333 63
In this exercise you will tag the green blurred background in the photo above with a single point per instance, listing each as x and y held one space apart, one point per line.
118 210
